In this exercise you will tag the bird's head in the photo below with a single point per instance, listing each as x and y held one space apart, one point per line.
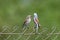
29 16
35 15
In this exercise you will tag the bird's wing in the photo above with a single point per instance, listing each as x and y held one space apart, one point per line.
37 20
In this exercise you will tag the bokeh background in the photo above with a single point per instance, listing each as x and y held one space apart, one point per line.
13 12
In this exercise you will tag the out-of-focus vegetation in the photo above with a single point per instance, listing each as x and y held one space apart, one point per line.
14 11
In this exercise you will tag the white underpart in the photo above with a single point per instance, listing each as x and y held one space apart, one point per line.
29 20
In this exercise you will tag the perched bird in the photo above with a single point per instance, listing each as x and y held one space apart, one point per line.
27 21
36 22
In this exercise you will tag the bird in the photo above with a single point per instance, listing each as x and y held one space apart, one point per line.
26 21
36 22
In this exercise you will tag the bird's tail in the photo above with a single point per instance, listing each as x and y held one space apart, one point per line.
39 25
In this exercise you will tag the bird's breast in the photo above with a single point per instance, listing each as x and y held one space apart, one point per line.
28 21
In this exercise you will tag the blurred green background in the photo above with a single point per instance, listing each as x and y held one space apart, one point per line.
13 12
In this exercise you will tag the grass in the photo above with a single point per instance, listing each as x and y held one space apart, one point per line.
45 34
